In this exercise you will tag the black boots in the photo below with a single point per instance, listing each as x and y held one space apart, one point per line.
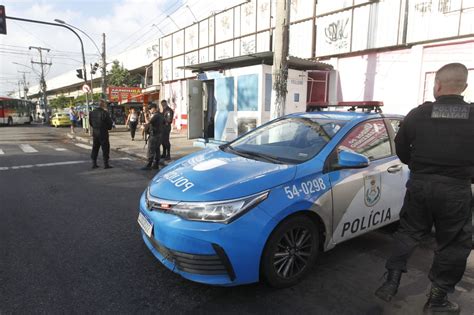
390 287
147 167
438 303
166 155
94 164
150 166
107 165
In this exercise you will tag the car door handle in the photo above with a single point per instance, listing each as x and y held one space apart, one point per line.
395 168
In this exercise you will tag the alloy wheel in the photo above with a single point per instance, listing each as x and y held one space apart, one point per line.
293 253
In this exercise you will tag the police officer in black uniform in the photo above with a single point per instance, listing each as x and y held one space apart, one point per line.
168 115
101 123
155 122
436 140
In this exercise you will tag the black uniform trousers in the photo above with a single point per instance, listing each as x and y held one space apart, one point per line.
100 139
444 202
153 154
165 140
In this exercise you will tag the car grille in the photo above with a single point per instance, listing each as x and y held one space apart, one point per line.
197 264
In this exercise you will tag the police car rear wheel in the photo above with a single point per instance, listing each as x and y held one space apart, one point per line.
290 252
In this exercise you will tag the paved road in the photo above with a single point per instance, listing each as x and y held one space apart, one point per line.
69 243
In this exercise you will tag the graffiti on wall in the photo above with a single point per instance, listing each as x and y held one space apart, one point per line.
153 51
248 46
337 33
424 6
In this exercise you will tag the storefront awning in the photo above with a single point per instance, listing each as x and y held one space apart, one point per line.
255 59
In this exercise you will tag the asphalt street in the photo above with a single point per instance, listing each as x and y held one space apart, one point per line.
70 243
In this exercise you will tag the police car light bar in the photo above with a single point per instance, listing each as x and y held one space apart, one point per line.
365 106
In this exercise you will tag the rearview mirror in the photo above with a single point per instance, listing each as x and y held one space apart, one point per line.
349 159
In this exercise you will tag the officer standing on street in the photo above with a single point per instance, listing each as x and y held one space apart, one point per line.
155 123
168 115
436 140
101 123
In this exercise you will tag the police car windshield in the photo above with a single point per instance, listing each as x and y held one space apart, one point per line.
289 140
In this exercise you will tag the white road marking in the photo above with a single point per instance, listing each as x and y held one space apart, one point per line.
17 167
1 152
60 149
84 146
27 148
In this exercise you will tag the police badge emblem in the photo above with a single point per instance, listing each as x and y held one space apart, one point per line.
372 189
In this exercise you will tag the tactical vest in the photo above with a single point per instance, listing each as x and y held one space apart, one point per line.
444 134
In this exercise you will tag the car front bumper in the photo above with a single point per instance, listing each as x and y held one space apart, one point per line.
211 253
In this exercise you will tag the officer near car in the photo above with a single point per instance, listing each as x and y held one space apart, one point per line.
101 123
168 115
155 123
436 140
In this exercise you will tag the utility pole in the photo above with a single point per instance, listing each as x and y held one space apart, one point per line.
280 58
42 80
104 69
25 86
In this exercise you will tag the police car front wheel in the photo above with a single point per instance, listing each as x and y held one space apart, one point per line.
290 252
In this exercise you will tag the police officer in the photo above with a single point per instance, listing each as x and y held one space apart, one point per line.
168 115
436 140
155 122
101 123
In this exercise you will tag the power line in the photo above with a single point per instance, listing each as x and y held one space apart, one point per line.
164 12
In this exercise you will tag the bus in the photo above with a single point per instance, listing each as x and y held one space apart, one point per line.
15 111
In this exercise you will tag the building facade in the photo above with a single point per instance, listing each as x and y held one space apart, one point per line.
378 50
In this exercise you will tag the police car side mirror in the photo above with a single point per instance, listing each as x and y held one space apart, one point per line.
348 159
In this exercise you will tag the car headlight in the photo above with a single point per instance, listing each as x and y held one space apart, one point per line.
216 211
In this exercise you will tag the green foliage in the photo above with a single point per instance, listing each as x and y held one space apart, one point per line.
81 99
61 102
119 76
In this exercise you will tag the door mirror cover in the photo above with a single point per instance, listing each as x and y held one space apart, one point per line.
349 159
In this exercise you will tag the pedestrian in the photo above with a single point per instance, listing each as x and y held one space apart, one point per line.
155 125
74 118
142 121
436 140
101 123
132 122
168 115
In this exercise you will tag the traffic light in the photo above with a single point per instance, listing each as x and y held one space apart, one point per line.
3 20
94 68
79 73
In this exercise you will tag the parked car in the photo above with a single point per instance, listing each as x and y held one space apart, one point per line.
266 204
60 119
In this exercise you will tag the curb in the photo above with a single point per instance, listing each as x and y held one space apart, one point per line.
127 151
117 149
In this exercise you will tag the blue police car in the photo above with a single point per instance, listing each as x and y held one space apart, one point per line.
266 204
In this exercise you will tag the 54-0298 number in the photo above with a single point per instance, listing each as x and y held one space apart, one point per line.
306 188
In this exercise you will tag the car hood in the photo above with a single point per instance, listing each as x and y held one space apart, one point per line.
216 175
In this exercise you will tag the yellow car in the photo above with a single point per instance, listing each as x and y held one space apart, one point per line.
60 119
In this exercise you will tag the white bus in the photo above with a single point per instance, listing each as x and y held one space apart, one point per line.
15 111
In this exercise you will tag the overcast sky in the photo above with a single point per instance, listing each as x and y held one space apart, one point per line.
126 23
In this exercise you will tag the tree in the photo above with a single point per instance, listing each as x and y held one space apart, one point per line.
60 102
81 99
119 76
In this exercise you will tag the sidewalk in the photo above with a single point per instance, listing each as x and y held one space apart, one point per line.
120 140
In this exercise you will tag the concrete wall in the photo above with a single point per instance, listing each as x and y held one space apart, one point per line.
397 78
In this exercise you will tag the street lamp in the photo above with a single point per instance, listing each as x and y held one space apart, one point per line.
93 42
85 121
65 26
101 54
